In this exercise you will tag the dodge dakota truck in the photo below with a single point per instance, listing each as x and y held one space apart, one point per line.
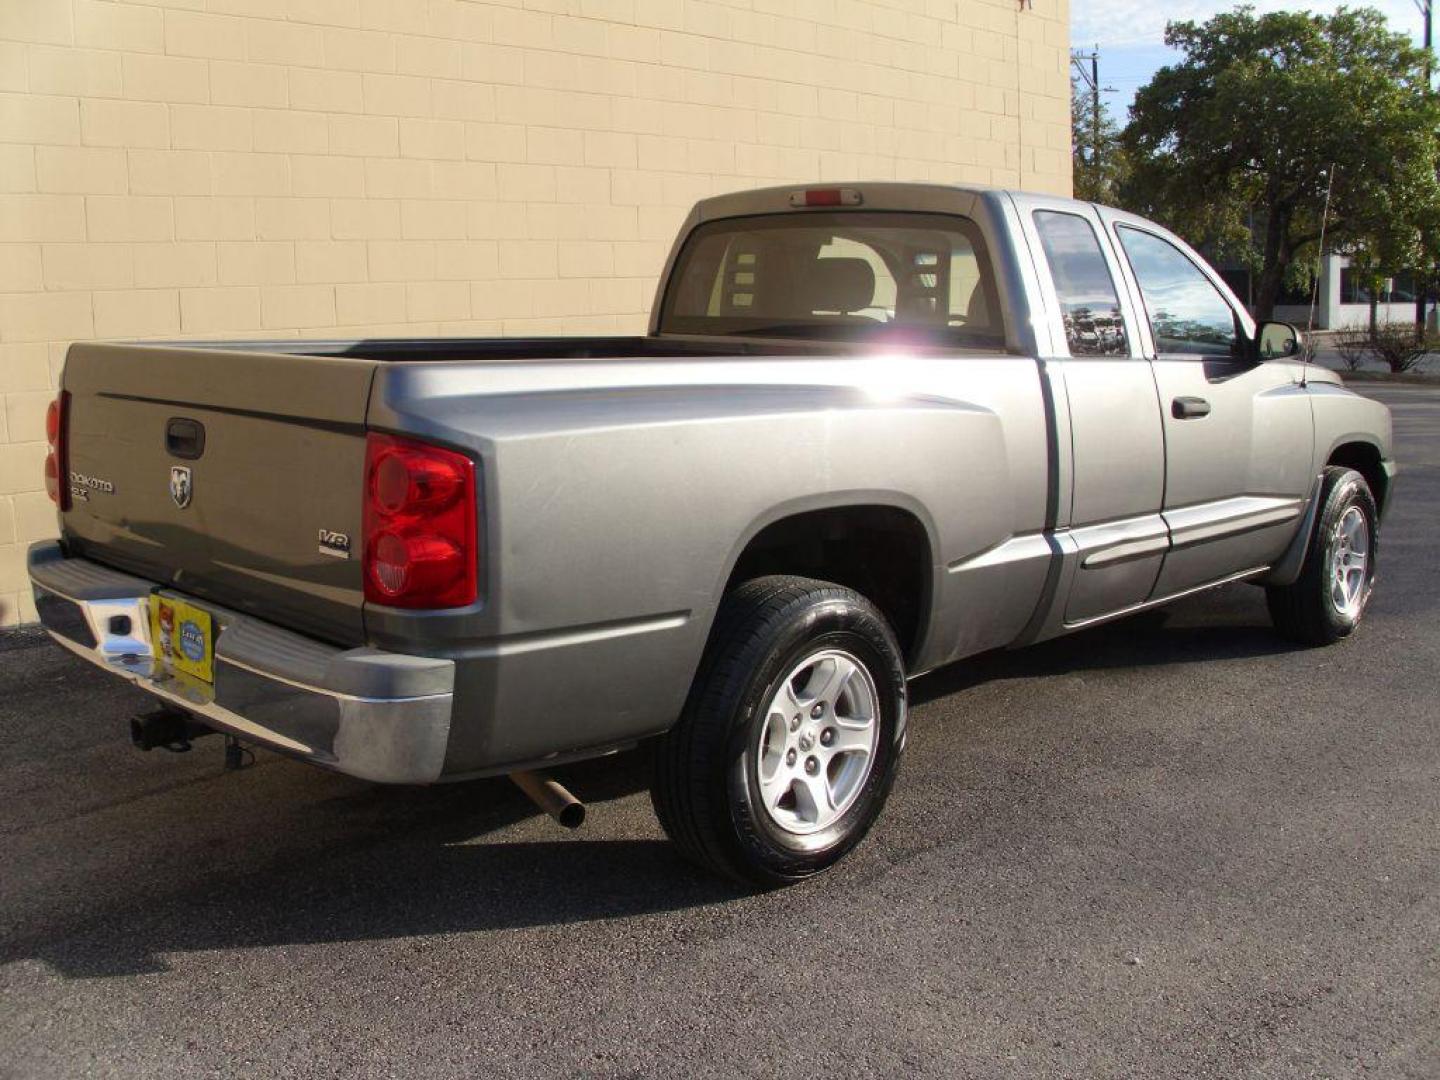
874 428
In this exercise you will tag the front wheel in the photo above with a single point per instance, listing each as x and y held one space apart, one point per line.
1328 599
792 735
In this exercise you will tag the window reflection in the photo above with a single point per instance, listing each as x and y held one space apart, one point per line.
1089 305
1187 313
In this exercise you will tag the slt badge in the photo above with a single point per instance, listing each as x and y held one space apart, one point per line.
182 487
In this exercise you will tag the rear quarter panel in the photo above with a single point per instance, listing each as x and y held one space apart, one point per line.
618 496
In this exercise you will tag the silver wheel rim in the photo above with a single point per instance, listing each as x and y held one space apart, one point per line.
1350 563
817 745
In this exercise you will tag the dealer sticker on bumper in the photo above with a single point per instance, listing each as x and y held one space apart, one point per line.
184 637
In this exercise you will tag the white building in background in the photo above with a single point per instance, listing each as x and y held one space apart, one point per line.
1341 301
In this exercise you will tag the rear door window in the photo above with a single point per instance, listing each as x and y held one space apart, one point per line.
846 275
1089 303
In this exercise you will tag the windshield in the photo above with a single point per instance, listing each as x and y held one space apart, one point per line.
846 275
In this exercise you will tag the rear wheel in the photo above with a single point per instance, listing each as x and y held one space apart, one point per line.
1328 600
792 735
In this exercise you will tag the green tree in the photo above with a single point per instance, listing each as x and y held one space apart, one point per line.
1233 145
1099 159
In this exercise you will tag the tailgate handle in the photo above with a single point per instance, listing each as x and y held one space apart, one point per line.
185 438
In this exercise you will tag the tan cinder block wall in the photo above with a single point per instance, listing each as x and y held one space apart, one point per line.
222 168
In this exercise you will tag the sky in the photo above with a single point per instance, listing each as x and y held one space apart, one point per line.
1131 34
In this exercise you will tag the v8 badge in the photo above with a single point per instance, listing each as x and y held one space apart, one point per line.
334 544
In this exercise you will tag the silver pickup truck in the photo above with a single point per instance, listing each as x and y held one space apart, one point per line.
874 429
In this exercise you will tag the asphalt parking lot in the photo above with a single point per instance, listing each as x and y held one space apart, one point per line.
1173 846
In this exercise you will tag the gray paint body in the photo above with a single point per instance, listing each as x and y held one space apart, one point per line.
618 493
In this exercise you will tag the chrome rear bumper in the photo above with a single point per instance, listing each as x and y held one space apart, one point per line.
376 715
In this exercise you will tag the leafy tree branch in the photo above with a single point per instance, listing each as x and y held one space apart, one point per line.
1235 144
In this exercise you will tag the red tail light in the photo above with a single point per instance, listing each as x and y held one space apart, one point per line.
826 197
420 525
57 461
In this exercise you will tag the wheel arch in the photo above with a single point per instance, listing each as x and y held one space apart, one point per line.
1366 458
838 538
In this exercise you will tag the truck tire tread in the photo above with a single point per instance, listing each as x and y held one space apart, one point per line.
1300 611
688 801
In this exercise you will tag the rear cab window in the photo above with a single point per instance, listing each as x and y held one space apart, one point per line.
844 276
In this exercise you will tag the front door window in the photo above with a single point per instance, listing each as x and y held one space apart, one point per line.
1188 314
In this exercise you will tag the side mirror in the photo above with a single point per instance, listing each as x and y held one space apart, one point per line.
1276 340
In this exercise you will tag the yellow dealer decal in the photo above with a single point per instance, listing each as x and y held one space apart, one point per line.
184 637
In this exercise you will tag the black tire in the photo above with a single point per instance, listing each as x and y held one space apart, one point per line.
1304 611
706 791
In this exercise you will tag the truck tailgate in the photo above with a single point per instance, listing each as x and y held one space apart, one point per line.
216 469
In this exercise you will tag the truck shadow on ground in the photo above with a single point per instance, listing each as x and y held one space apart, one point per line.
367 864
284 855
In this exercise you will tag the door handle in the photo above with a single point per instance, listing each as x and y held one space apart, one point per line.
1189 408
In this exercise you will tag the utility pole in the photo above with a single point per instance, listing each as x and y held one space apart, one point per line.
1091 78
1422 288
1095 104
1427 12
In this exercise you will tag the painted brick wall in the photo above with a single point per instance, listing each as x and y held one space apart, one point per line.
357 167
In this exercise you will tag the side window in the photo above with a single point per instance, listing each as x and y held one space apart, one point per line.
1187 313
1089 303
